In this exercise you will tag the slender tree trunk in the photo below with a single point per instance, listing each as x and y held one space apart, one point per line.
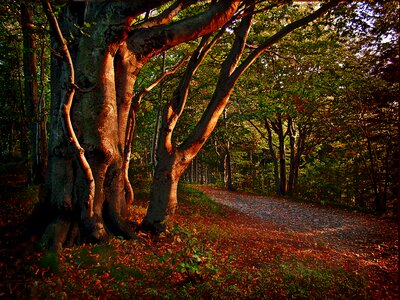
296 152
156 133
293 155
282 159
380 206
11 142
191 172
20 107
360 201
228 170
278 129
42 123
187 151
273 157
31 92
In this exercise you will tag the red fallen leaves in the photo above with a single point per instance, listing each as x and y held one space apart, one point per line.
357 242
231 256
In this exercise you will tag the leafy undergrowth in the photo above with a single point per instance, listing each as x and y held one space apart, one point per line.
208 252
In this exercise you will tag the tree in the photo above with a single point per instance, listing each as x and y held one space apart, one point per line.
24 60
173 160
103 47
286 92
13 133
85 175
34 103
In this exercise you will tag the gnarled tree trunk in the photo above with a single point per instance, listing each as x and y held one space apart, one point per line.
92 90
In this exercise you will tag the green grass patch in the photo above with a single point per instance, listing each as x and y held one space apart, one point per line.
198 201
216 233
309 279
49 263
83 258
121 272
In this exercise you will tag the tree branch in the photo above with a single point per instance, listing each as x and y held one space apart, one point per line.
150 41
130 128
226 84
281 34
221 94
139 96
166 16
177 103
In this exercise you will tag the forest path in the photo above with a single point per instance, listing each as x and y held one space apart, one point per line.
367 238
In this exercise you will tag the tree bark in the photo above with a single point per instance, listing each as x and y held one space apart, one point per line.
182 156
277 126
89 134
163 193
228 171
90 111
230 72
31 93
296 152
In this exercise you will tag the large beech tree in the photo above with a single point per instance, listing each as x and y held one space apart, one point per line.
173 160
100 47
92 88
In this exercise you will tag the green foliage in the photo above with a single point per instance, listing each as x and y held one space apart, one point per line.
83 257
120 272
193 259
49 263
14 113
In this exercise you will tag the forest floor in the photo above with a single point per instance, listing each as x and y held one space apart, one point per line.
371 240
249 248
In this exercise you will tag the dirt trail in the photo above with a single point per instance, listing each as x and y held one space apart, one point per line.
355 234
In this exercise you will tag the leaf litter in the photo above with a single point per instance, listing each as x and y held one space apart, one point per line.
252 247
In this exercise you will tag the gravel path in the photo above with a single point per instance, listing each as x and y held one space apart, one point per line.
359 234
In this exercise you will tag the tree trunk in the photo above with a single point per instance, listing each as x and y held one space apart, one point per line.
273 157
228 170
178 158
296 151
105 78
163 193
231 69
293 155
282 164
86 186
31 93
